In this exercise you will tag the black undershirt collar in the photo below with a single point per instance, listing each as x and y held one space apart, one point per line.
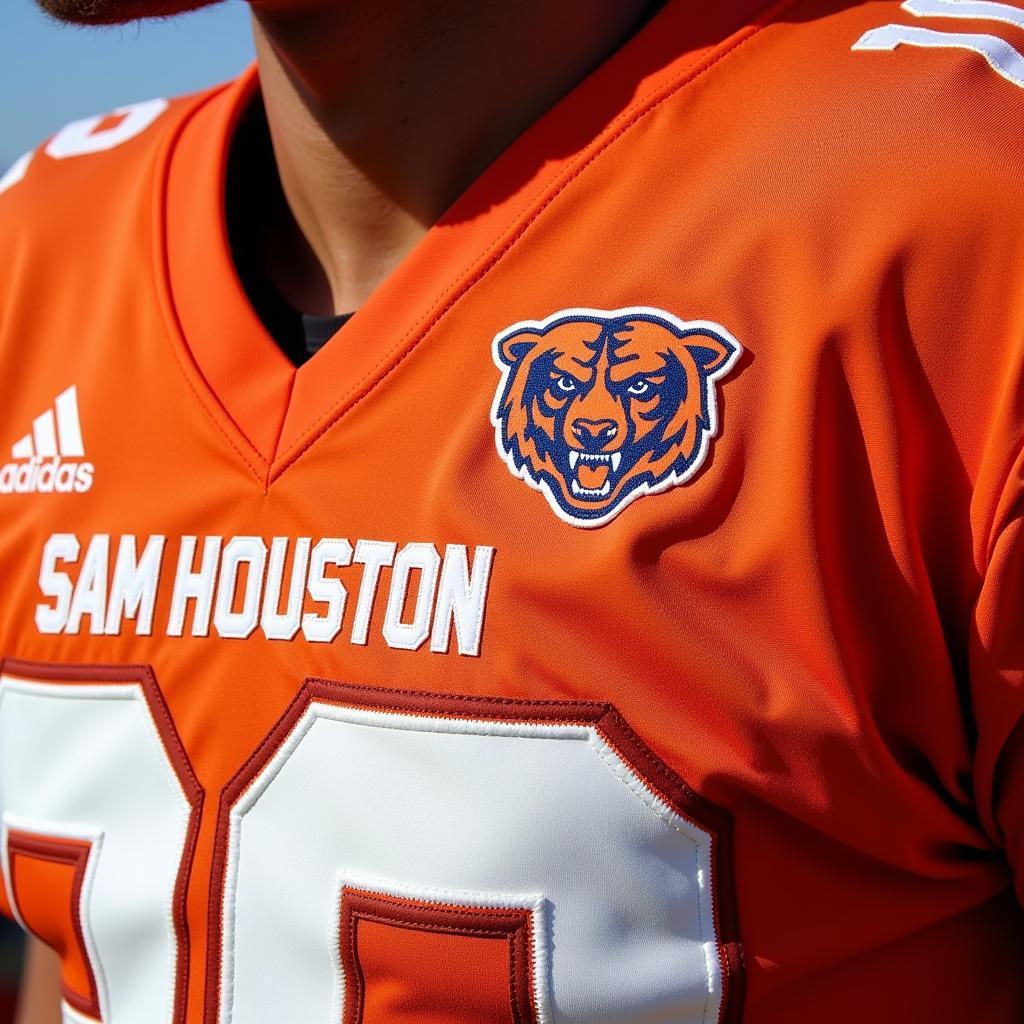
252 184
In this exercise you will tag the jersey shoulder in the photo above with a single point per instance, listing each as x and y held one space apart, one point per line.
77 185
924 88
80 218
963 48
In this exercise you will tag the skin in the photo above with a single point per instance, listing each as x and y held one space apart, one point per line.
380 116
370 152
39 995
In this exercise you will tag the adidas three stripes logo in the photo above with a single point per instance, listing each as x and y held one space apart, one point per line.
50 458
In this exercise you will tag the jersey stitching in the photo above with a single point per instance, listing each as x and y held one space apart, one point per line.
439 929
280 429
462 929
512 973
359 982
261 478
148 698
158 229
615 131
389 899
658 780
605 750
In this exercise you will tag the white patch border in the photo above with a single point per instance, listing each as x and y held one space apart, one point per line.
673 479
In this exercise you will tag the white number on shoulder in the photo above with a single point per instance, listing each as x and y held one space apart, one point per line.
91 135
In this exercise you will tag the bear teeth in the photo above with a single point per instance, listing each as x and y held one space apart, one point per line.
590 492
612 457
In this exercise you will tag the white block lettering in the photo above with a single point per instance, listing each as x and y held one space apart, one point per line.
324 628
461 598
90 597
409 636
373 555
195 586
60 547
252 553
133 591
277 625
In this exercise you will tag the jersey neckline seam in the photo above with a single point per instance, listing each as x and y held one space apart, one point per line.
533 210
174 332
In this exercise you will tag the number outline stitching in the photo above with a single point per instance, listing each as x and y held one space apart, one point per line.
144 678
664 784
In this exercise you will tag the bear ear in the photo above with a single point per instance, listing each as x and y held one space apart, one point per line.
512 347
710 350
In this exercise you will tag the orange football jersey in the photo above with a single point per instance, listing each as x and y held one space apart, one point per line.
619 620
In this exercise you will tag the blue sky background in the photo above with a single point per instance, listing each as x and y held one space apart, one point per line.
51 74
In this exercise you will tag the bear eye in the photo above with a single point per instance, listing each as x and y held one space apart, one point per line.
566 384
639 387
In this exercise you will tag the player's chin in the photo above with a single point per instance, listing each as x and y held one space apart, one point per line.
117 12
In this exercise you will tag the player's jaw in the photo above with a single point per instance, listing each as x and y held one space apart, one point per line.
117 12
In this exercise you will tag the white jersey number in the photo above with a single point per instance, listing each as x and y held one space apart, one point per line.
540 843
91 135
92 774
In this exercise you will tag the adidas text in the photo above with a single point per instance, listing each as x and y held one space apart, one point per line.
38 477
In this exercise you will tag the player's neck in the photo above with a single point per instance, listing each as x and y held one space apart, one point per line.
380 120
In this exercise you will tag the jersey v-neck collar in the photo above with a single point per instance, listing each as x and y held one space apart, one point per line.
269 410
